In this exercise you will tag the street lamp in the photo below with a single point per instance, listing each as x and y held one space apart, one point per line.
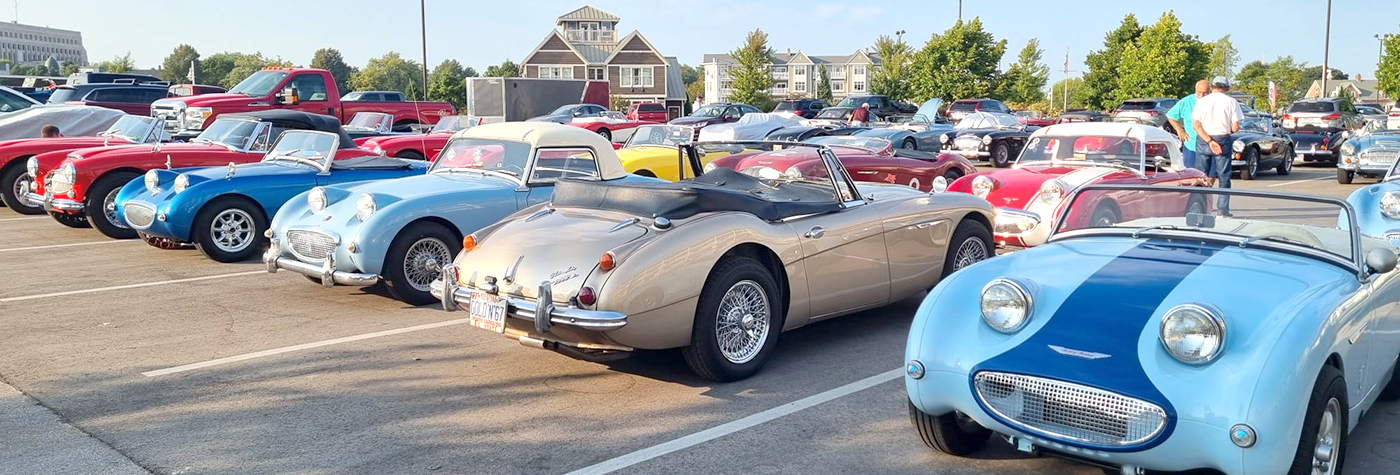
1380 52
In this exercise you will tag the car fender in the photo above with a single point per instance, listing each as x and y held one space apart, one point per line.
464 211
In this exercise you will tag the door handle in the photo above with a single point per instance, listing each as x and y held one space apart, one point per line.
330 111
815 233
867 172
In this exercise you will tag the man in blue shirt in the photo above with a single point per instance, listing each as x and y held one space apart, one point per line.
1180 118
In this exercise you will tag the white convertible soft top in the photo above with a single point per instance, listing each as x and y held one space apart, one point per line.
754 126
71 121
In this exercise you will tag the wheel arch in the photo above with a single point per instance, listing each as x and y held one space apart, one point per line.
771 261
231 195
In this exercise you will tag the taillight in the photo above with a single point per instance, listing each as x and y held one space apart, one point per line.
798 112
1287 117
469 243
1395 113
1153 113
1331 117
586 297
607 261
1115 111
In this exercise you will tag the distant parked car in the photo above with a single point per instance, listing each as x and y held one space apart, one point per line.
1081 116
124 78
1144 111
373 96
185 90
1260 146
997 138
716 113
881 107
965 107
12 100
1392 120
129 98
806 108
647 111
1317 126
1033 118
831 117
565 114
1370 154
800 133
1371 113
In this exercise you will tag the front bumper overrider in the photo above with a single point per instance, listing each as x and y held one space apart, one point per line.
49 203
325 271
455 297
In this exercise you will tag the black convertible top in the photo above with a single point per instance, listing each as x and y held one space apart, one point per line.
721 189
298 120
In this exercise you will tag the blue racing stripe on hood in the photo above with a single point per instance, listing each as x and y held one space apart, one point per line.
1107 314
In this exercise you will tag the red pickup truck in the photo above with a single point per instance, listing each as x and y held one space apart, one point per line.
303 89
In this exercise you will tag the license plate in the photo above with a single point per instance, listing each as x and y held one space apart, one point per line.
487 312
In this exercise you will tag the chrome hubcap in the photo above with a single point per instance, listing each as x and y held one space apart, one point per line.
21 186
109 209
421 262
1329 433
232 230
742 324
969 252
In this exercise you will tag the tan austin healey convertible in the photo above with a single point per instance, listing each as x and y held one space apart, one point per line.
713 264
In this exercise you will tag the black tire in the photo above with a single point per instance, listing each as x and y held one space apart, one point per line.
952 175
644 173
1391 391
409 155
1104 215
429 246
1001 155
1251 164
951 433
1196 204
244 217
704 355
971 242
10 179
1344 177
909 144
1287 166
1329 385
101 213
607 135
72 221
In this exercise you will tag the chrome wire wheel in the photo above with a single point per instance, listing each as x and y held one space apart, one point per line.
1329 432
423 262
969 252
232 230
109 209
741 327
21 185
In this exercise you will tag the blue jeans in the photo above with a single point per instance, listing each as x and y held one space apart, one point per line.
1216 166
1188 157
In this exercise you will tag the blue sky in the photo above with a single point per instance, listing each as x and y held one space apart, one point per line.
479 33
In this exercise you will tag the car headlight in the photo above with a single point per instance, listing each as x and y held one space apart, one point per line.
1390 204
32 166
943 138
63 178
986 140
792 173
152 182
1006 305
182 181
365 206
316 199
196 116
1052 191
709 167
1348 149
1014 222
1238 146
1193 334
982 186
764 172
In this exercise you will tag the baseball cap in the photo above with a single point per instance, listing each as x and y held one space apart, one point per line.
1220 81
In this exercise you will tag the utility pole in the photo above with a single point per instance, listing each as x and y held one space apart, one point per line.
1066 88
1380 54
423 15
1326 48
959 10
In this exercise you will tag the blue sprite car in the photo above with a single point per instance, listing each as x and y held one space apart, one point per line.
400 232
1245 343
224 211
1378 205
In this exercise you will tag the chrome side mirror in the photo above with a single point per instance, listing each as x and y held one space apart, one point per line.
1380 260
940 184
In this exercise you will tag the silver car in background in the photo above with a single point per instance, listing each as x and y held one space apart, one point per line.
1144 111
1372 114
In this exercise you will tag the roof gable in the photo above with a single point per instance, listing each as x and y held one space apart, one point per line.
552 40
627 44
860 56
800 58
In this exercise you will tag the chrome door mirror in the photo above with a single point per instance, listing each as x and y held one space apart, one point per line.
940 184
1380 260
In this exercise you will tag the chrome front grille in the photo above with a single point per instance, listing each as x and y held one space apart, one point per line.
1379 155
310 246
1070 411
968 143
139 215
169 115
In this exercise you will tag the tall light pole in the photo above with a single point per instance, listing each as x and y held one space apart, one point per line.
959 10
1326 48
1380 53
423 17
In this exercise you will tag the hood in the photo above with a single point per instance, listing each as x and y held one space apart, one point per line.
559 118
1016 187
387 192
562 247
217 99
688 120
930 108
149 149
17 146
255 170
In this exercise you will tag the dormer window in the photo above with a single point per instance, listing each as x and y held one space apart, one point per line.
591 32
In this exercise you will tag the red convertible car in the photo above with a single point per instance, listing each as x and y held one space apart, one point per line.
15 154
1059 159
613 126
869 159
78 187
419 146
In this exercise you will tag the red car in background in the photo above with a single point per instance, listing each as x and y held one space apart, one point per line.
14 154
1059 159
1033 118
869 159
419 146
647 111
613 126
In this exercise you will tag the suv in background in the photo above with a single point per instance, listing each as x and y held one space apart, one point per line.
881 107
1393 117
129 98
1144 111
647 111
962 107
806 108
1323 114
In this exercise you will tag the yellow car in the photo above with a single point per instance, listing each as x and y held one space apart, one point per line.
653 151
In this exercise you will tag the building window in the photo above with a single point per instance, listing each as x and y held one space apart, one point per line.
837 72
838 85
858 86
780 89
597 73
800 71
636 77
726 86
799 86
556 72
858 70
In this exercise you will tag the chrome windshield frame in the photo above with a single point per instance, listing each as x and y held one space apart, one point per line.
323 166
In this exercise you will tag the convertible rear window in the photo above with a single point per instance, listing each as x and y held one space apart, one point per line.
1313 107
1138 105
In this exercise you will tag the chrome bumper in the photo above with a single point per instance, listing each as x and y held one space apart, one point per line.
970 153
49 203
326 271
455 297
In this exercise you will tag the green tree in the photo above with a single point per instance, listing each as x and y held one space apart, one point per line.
227 69
1161 62
1223 57
1388 70
689 74
24 70
1078 94
69 69
1102 76
1289 76
823 84
412 91
506 69
694 90
1025 80
119 64
469 72
1315 73
390 72
330 59
962 62
749 77
891 78
176 67
448 83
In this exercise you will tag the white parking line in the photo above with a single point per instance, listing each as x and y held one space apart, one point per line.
303 346
130 286
24 218
1294 182
727 428
51 246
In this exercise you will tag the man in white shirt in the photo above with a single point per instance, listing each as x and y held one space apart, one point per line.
1216 116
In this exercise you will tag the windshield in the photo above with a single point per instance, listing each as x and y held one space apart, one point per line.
1090 150
564 110
314 148
662 135
132 128
1253 218
1312 106
1256 124
371 121
708 111
786 106
795 173
484 154
871 144
854 101
983 120
833 113
260 83
964 106
236 133
62 95
451 123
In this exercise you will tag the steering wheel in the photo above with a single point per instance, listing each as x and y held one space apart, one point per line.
1290 233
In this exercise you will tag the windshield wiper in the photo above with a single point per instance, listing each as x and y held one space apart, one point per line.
1138 231
1253 239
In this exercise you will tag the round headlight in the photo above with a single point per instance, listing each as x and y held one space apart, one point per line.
1193 334
1238 146
943 138
1348 149
316 199
982 186
1390 204
1006 305
365 206
708 167
986 140
152 181
792 173
1051 191
182 181
32 166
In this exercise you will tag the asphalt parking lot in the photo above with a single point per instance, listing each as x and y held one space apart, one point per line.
124 358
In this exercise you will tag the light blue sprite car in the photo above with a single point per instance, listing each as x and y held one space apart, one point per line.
1245 343
1378 205
400 232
